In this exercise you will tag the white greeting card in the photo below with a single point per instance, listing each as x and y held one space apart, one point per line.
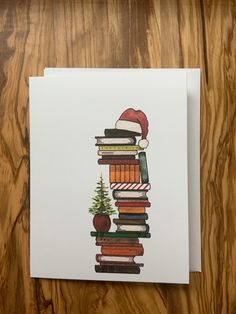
193 101
109 143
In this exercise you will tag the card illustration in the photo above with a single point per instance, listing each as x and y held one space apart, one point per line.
129 182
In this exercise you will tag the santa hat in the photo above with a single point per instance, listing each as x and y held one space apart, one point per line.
135 121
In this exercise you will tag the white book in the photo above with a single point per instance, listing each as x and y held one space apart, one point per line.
138 228
117 152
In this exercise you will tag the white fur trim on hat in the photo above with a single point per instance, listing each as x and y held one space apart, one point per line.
143 143
129 126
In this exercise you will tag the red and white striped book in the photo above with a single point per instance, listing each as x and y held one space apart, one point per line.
131 186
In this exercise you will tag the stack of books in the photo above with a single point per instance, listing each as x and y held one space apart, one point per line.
129 181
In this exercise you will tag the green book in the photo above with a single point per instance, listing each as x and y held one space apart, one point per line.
143 167
127 234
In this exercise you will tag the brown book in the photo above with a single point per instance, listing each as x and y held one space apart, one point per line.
122 173
131 174
136 174
108 240
132 210
112 174
126 173
118 244
117 173
132 203
122 264
113 161
129 221
122 251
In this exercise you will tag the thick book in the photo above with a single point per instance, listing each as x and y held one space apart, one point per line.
129 221
131 210
129 194
131 186
143 167
102 140
116 234
122 250
120 133
131 216
117 269
118 161
127 203
138 228
112 240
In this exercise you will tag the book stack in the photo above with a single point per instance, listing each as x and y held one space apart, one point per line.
129 181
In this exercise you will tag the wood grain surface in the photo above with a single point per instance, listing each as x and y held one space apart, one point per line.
142 33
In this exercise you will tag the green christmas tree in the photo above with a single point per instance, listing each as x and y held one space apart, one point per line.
101 202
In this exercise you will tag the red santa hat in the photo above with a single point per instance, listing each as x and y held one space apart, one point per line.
135 121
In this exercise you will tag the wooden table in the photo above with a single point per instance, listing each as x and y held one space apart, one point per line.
165 33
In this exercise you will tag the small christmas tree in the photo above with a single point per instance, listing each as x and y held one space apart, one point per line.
101 202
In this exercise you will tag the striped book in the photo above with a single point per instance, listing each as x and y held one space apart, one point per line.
130 186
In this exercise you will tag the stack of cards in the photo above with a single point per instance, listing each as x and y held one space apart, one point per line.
115 174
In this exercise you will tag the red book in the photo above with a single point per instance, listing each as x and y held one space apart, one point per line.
133 204
122 250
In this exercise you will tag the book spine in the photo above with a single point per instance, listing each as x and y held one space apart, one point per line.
132 210
122 251
126 173
122 173
107 240
130 216
129 221
111 258
136 228
143 167
131 173
117 173
112 174
122 264
132 204
131 186
116 234
136 174
117 269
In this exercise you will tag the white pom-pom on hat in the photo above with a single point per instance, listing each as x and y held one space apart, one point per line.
143 143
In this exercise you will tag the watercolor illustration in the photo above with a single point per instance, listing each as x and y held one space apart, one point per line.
120 149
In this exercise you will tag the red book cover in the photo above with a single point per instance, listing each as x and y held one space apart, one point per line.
133 204
122 251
